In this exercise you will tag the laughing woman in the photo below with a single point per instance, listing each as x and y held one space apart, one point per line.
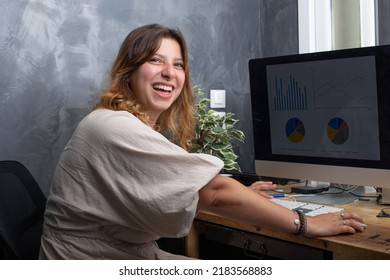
121 184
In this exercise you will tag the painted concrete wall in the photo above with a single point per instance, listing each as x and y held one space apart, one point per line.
383 24
54 57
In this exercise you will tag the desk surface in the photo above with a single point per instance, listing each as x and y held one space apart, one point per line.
373 243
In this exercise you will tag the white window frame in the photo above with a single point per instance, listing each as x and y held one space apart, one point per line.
315 24
367 23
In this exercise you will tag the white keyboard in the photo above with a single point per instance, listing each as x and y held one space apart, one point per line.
310 209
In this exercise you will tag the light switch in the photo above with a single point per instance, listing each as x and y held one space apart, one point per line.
218 98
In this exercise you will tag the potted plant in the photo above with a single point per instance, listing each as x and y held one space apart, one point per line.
214 133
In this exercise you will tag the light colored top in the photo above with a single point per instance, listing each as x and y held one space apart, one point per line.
119 186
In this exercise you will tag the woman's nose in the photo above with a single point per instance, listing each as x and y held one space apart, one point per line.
168 72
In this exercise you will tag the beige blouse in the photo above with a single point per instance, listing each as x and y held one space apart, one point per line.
119 186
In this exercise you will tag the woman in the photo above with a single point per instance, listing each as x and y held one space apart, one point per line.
120 184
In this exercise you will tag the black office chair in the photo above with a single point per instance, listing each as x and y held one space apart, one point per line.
22 206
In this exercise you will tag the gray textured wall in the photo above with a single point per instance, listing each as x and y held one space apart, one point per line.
383 24
54 56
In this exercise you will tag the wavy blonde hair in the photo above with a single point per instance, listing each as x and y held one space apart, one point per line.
137 48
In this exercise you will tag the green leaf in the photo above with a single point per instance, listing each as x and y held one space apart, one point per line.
214 133
239 135
218 130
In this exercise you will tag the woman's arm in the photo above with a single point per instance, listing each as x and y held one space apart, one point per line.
229 198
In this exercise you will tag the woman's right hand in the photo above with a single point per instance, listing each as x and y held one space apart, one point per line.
334 223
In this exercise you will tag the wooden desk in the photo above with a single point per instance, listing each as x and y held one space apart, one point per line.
373 243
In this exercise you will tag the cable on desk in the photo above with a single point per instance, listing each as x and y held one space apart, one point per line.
349 189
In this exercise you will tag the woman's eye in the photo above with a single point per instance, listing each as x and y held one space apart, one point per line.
179 65
155 60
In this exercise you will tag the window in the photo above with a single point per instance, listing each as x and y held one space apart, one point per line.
335 24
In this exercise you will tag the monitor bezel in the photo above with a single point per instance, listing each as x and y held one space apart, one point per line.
261 118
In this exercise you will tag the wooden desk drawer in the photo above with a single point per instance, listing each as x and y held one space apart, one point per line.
262 247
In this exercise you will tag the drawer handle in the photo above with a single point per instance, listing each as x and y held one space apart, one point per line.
250 253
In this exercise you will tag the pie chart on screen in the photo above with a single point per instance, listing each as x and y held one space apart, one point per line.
295 130
338 131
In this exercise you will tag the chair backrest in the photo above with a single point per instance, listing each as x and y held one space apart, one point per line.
22 206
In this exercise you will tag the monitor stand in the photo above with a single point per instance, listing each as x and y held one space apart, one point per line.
334 197
385 197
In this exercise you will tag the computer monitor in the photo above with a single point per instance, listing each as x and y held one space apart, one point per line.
323 116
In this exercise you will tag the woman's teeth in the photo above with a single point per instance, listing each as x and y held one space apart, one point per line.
163 87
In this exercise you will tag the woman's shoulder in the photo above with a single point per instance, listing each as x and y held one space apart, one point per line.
108 127
105 122
108 114
109 118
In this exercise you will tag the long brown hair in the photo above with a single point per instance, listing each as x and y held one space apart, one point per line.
137 48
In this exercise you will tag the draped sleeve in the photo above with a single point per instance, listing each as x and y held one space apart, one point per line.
120 177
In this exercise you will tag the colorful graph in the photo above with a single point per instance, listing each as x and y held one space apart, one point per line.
295 130
292 97
338 131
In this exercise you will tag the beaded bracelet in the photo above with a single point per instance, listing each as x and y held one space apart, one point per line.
301 222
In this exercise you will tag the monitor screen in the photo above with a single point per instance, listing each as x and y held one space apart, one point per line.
323 116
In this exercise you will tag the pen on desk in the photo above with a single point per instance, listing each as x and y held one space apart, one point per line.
275 195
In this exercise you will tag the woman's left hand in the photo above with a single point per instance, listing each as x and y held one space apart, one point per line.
261 186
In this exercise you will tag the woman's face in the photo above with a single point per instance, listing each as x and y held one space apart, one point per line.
159 81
